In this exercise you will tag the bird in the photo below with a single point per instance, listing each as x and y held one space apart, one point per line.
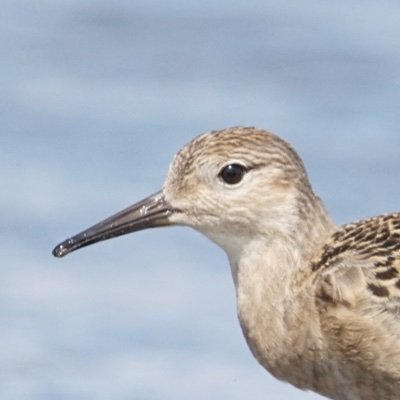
318 303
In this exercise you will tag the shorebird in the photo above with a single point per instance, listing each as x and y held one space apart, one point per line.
319 305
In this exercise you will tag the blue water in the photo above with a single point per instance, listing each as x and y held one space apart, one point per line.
95 98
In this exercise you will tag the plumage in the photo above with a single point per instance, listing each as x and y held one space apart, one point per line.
319 305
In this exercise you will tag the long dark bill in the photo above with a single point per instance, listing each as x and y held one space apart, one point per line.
151 212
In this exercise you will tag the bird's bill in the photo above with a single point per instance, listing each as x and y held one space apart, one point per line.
153 211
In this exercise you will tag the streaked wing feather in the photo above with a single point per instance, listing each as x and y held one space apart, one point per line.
357 283
363 258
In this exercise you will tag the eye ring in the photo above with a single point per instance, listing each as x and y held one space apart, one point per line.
233 173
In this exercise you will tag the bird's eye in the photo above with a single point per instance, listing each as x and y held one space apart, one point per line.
232 173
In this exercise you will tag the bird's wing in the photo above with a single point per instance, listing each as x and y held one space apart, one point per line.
357 283
362 261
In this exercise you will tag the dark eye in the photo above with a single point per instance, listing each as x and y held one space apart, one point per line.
232 173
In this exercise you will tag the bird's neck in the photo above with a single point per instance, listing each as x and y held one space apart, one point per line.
284 252
270 273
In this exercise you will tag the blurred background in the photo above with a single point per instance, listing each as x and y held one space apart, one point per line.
96 96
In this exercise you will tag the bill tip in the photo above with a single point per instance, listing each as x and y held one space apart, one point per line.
60 251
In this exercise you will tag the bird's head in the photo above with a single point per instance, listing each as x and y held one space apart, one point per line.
230 185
